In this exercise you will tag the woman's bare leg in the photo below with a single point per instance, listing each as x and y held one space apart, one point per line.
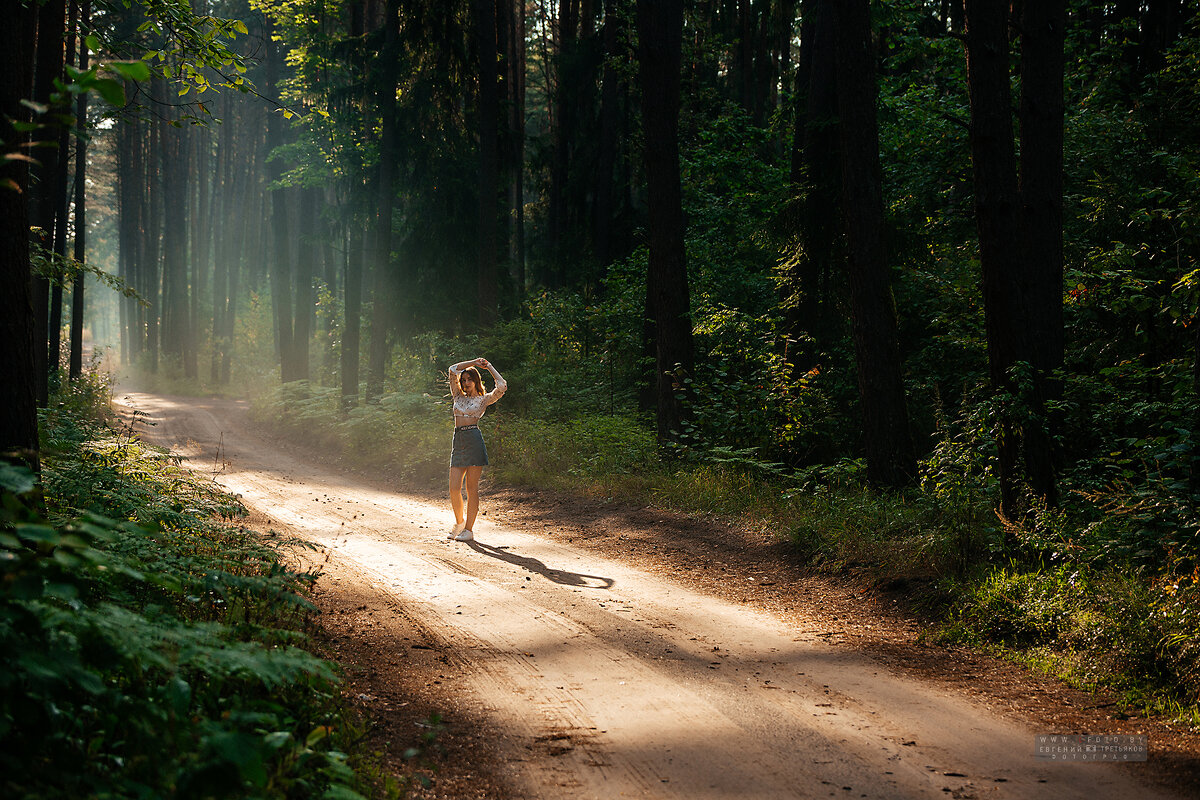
472 482
456 485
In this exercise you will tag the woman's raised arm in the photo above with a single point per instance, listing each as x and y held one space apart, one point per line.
455 370
501 385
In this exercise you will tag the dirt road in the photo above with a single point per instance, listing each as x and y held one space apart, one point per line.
631 685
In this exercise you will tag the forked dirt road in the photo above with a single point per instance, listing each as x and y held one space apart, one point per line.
629 683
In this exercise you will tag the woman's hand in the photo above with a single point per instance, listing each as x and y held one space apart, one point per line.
482 362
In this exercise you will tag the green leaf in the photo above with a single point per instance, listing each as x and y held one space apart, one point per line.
179 695
241 750
66 558
92 42
112 91
63 591
16 479
131 70
38 533
277 739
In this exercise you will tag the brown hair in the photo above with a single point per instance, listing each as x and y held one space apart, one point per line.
474 375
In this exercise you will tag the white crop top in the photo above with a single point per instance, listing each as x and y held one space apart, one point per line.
473 407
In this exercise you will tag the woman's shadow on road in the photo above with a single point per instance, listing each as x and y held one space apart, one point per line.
533 565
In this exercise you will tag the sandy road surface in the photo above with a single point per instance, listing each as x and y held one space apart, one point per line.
638 687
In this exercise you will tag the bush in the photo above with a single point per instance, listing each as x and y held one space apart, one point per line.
585 449
1090 627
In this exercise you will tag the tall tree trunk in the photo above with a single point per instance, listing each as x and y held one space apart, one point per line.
239 243
660 35
152 216
1043 34
281 242
887 440
175 307
385 288
198 250
997 210
50 21
129 196
1194 471
75 368
223 189
62 206
352 325
816 156
610 110
304 280
562 119
515 60
18 365
484 24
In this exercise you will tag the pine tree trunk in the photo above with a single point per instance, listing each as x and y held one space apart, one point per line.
352 324
997 209
223 189
304 281
48 192
515 59
75 368
198 250
484 23
1043 27
562 119
152 215
660 34
816 154
281 241
18 366
610 110
129 186
887 440
384 290
175 307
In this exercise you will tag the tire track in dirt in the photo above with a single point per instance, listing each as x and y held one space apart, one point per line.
619 682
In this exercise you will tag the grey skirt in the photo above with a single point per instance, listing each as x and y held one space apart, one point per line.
469 449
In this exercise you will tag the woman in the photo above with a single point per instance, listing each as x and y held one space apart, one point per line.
469 455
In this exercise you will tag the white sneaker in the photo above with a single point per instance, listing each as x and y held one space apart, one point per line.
456 530
465 536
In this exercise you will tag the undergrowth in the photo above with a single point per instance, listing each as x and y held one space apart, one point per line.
1092 628
149 646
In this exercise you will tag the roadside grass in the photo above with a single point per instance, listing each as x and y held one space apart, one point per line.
149 645
1090 627
1060 598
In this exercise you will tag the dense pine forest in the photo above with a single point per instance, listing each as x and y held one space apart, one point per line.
911 283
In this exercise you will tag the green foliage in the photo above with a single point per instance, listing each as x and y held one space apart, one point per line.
1092 628
744 396
144 649
581 450
405 432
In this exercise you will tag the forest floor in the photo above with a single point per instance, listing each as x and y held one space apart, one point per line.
586 648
